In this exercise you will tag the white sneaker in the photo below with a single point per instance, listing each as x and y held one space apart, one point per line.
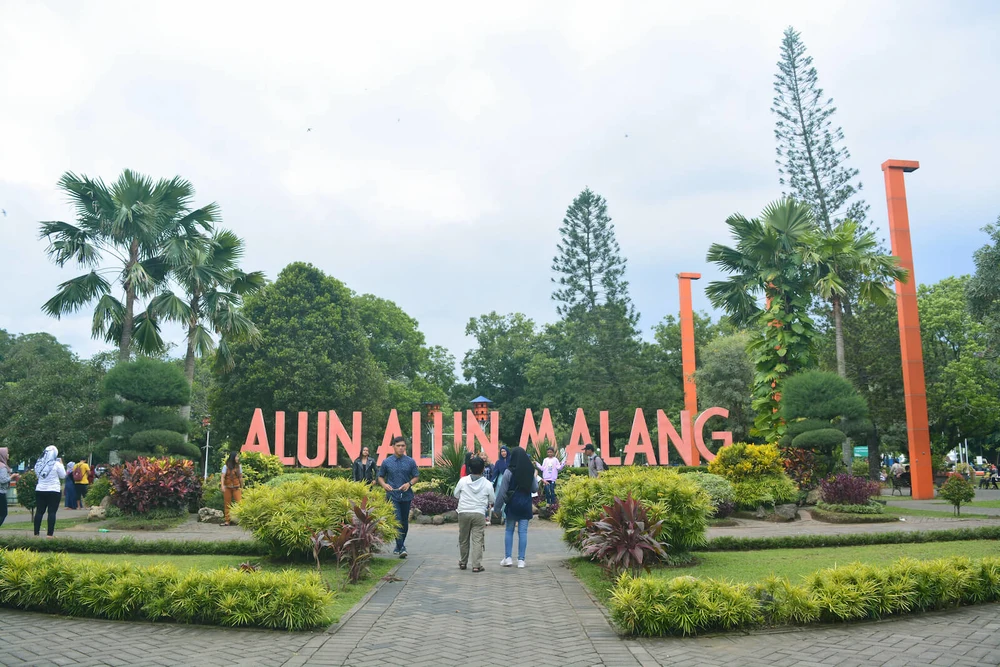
506 562
520 563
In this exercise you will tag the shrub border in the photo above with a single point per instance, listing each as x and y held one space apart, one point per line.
849 517
130 545
727 543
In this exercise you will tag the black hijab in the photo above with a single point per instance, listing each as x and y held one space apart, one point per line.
522 470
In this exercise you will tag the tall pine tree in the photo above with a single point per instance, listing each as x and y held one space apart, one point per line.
812 160
589 266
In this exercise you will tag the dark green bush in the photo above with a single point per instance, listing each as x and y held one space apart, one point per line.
820 514
727 543
99 489
869 508
163 443
58 584
649 606
823 439
259 468
26 490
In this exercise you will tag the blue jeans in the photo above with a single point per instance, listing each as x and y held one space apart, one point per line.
403 517
550 492
522 538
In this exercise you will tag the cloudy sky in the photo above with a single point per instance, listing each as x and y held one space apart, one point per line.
448 139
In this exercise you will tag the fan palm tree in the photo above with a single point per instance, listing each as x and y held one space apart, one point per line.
129 223
207 270
840 257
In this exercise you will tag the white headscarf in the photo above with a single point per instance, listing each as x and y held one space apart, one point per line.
45 462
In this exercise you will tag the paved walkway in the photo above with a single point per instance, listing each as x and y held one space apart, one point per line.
438 615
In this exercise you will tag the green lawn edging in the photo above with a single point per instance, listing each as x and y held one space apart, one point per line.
130 545
727 543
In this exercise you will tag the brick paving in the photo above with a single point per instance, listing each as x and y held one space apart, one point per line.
541 613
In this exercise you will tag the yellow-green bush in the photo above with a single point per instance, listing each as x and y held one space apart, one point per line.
58 584
677 500
757 474
284 517
651 606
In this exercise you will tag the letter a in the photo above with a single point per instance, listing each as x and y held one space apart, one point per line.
257 435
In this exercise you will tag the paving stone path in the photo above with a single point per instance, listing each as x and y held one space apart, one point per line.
439 615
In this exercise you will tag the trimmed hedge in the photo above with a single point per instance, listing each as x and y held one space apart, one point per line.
652 607
727 543
130 545
677 500
58 584
844 517
870 508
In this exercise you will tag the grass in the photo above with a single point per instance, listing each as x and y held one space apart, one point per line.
748 566
344 599
981 503
142 523
893 510
61 524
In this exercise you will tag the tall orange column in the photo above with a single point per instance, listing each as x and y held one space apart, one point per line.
917 431
687 353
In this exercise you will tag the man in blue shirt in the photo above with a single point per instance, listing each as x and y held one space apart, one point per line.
397 475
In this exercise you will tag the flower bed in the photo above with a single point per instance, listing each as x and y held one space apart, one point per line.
433 503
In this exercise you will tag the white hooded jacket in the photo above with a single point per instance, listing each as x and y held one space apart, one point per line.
474 495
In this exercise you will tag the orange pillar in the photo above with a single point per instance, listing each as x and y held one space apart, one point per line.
687 352
917 431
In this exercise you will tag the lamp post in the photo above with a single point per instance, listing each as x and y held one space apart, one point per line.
431 408
207 423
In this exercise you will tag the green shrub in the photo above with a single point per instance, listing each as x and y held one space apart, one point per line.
870 508
285 517
757 473
99 489
820 514
720 490
164 443
957 490
286 478
129 545
859 467
727 543
57 584
26 490
649 606
675 499
211 493
258 468
823 439
332 473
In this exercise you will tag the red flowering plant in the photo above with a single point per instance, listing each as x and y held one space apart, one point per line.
147 484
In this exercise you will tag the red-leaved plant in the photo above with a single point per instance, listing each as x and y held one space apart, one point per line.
147 484
352 543
623 538
846 489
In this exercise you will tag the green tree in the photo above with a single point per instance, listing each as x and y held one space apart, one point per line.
47 397
589 267
820 409
841 255
128 223
206 268
147 392
983 289
811 155
725 378
957 490
768 262
313 356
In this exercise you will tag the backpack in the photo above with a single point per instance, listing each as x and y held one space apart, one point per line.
599 464
78 474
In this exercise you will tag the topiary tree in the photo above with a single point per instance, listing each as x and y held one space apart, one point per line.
148 393
820 409
957 490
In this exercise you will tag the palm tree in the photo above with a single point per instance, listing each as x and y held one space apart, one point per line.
207 270
130 222
841 257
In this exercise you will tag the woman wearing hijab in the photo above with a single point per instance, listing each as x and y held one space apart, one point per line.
50 470
517 484
71 499
4 483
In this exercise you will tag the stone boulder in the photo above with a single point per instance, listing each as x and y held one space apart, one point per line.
787 512
813 497
415 513
438 520
761 512
423 520
96 514
450 516
209 515
106 502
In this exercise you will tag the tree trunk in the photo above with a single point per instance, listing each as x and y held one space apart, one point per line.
185 411
874 456
125 344
838 322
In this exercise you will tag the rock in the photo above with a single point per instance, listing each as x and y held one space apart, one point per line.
96 514
450 516
423 519
813 497
209 515
788 512
415 513
438 520
761 512
105 501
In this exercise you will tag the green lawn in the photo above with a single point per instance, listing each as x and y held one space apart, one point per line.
791 563
343 601
895 510
984 503
60 523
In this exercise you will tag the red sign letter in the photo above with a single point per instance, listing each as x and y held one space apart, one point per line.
257 435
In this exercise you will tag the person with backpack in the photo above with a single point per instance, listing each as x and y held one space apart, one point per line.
49 470
4 483
595 464
82 474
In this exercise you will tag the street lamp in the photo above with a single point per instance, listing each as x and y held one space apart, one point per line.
207 423
429 409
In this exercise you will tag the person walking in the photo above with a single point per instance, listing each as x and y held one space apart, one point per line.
4 483
82 475
49 470
70 488
475 495
232 484
499 468
595 464
397 476
550 468
363 469
514 495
